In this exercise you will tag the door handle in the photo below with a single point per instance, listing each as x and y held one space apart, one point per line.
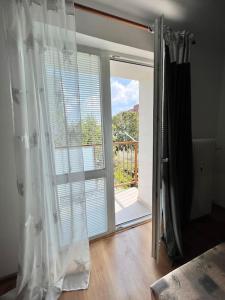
164 160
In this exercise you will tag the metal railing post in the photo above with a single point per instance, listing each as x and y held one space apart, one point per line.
136 162
134 168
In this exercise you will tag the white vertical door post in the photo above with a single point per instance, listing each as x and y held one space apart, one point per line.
157 137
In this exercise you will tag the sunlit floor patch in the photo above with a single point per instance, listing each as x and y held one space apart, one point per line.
128 207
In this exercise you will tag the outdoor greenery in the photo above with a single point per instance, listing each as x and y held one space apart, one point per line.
120 176
125 126
91 131
90 128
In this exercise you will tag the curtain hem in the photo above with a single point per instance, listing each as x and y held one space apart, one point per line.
70 283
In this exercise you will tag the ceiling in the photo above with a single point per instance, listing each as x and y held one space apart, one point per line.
205 18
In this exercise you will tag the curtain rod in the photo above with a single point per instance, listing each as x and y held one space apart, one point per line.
113 17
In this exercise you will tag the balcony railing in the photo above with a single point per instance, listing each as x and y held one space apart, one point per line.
125 163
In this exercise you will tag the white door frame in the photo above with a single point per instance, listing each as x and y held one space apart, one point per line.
107 119
157 137
106 115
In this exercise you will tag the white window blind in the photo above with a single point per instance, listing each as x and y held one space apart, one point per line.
91 110
70 110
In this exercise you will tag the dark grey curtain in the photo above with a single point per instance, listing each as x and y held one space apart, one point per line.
177 183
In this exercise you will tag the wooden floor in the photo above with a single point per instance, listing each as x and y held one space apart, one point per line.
204 233
122 267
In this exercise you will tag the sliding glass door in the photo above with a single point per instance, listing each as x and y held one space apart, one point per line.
89 67
92 67
94 84
95 149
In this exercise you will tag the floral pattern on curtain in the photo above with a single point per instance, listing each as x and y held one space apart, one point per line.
54 251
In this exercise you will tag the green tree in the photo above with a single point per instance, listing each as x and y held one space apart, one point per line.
125 126
91 131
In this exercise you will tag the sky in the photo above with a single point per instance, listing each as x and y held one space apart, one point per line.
124 94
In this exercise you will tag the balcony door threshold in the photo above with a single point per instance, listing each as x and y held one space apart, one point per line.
134 222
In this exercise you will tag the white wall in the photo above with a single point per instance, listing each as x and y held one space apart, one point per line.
145 158
8 193
206 77
106 29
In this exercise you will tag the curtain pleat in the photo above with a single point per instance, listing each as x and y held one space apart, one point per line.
177 147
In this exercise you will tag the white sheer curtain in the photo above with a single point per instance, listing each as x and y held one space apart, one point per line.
54 254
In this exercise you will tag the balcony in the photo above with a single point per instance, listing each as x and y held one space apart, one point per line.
128 206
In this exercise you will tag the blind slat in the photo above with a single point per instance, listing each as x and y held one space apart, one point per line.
76 122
